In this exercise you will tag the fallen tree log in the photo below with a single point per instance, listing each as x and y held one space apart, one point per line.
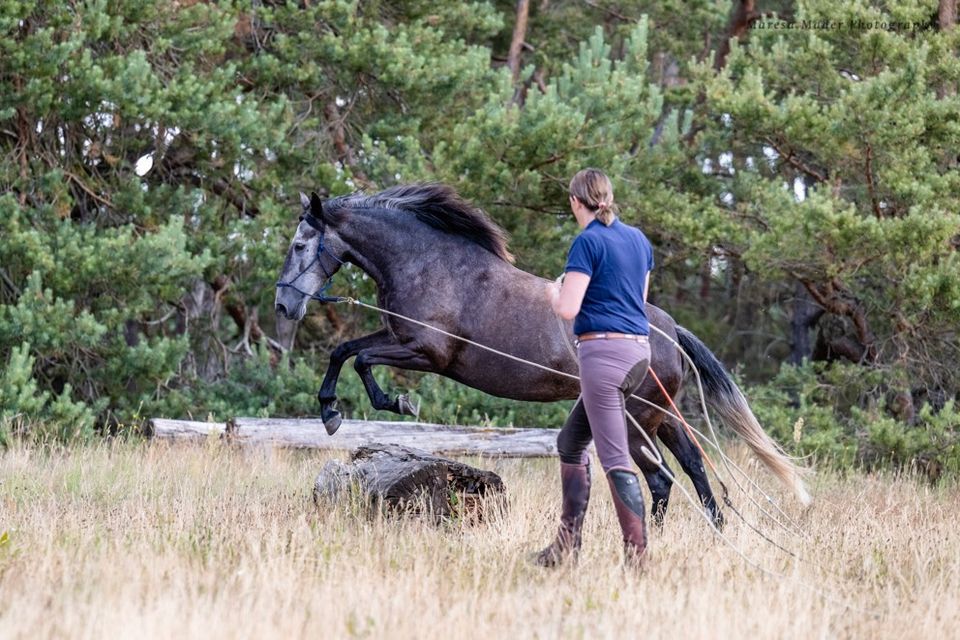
396 479
310 434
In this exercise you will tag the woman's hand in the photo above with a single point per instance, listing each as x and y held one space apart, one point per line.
553 292
568 297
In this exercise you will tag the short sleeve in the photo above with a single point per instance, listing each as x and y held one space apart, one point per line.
646 248
580 257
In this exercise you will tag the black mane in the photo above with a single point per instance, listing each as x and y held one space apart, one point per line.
439 206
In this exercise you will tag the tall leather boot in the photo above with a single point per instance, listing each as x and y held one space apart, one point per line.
628 500
575 483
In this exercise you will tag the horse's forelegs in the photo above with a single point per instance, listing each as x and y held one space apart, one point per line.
688 455
394 356
328 390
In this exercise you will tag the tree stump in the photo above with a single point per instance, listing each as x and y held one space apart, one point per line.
401 480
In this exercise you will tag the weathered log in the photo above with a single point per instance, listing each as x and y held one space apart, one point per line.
185 429
397 479
310 434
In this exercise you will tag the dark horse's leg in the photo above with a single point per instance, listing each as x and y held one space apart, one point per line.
328 390
657 480
675 437
393 355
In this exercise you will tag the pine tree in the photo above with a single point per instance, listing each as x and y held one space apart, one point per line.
843 149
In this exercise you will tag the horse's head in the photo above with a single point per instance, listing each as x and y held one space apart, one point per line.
315 254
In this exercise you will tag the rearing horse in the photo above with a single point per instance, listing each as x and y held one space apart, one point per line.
436 258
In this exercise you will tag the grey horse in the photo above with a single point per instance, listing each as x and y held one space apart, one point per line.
436 258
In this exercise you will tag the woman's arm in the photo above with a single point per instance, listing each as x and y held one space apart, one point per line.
567 298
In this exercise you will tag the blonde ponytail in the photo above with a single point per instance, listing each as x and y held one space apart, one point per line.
593 189
606 213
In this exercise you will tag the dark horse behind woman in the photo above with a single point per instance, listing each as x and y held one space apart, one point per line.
436 258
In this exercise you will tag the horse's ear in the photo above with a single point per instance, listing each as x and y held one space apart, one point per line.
316 205
304 200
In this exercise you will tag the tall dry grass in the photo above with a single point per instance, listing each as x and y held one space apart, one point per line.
157 541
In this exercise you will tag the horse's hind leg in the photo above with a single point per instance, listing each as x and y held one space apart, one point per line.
328 390
394 356
657 480
675 437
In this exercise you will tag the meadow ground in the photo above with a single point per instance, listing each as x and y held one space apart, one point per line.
149 540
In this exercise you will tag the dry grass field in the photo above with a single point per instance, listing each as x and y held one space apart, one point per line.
149 540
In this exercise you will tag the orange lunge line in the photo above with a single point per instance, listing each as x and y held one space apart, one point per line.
684 421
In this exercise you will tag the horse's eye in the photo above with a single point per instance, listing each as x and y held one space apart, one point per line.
299 246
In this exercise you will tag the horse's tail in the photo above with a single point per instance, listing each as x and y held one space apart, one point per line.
723 395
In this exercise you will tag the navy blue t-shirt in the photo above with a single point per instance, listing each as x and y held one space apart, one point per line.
617 259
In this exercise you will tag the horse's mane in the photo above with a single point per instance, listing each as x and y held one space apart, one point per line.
439 206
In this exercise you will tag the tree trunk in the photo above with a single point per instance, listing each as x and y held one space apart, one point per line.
519 34
947 14
833 297
805 316
336 126
947 19
743 14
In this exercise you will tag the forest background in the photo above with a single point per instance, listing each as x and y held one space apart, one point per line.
794 164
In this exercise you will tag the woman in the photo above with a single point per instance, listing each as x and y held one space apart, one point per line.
604 289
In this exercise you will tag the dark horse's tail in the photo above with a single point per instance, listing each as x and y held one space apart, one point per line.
727 400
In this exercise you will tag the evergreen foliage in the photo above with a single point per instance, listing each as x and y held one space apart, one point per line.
801 192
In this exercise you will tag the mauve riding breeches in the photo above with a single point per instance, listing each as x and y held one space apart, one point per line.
609 370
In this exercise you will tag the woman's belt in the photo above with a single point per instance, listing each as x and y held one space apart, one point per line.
610 335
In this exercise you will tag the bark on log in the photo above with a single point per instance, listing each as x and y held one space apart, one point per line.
186 430
310 434
402 480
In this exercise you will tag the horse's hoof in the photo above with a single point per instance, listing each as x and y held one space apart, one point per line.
718 521
331 419
405 407
330 416
333 423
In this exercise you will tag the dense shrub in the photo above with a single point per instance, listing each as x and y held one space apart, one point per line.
831 414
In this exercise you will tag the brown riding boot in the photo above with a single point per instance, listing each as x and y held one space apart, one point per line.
628 500
575 483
